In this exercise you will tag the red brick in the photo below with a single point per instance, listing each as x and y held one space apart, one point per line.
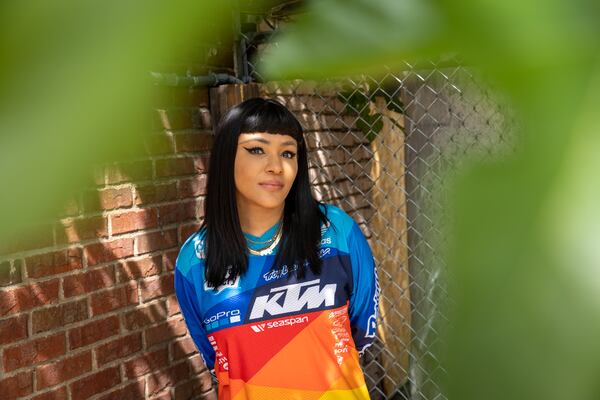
198 384
133 391
42 265
77 230
173 305
200 209
193 187
165 331
16 386
57 394
197 96
188 230
183 348
181 97
140 268
196 364
24 298
205 382
167 378
71 207
63 370
109 251
34 352
99 173
96 383
146 363
108 199
141 317
212 395
165 395
59 316
93 332
190 142
118 348
177 213
114 299
174 118
132 171
155 241
184 391
133 220
169 259
10 274
181 166
159 144
157 287
155 193
174 166
89 281
13 329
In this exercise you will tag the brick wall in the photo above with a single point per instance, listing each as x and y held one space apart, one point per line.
87 308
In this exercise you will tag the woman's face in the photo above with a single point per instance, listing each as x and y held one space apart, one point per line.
265 168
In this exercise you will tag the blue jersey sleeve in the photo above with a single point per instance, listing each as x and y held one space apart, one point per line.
364 301
188 303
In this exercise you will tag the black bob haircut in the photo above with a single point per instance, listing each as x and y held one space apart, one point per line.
225 245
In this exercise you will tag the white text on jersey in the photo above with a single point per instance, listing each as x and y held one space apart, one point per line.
313 297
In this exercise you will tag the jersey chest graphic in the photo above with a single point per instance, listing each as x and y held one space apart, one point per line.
249 329
277 298
293 298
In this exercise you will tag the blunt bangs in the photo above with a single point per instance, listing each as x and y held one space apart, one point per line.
269 116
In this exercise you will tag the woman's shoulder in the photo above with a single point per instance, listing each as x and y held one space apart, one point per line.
192 251
337 217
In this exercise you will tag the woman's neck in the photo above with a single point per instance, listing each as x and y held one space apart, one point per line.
257 220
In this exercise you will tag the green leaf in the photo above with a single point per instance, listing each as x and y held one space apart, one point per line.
356 101
75 90
370 125
342 37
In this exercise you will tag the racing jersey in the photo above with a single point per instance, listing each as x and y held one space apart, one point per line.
269 335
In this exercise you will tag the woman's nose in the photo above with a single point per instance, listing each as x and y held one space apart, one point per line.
274 164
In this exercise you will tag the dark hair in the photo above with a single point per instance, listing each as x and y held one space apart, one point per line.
225 245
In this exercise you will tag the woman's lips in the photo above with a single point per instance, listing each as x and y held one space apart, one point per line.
271 185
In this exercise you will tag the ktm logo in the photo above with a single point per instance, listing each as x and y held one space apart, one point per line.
287 299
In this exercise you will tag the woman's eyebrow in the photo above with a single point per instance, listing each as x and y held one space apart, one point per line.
265 141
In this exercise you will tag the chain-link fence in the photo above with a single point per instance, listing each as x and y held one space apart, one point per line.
383 149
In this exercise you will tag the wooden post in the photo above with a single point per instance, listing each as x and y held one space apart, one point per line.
224 97
390 249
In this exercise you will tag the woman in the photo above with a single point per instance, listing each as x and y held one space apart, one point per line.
279 292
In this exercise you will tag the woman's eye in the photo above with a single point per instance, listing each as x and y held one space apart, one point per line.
289 154
254 150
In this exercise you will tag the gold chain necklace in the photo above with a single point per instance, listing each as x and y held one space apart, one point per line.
265 242
267 250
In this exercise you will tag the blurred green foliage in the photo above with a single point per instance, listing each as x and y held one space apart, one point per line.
524 257
75 90
525 264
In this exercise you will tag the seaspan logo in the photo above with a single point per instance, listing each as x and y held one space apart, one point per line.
279 323
287 299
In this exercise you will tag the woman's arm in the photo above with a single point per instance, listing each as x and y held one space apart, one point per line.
364 301
188 303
